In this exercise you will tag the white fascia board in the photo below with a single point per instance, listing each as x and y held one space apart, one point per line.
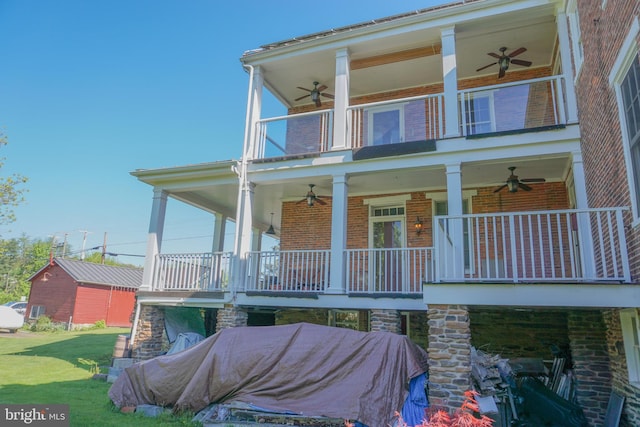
220 172
457 13
534 295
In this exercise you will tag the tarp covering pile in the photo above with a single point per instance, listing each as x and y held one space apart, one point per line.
302 368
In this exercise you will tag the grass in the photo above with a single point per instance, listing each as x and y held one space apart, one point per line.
57 368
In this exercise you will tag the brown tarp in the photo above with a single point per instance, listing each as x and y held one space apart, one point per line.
307 369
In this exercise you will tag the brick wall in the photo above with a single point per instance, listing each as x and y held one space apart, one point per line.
309 228
618 367
603 32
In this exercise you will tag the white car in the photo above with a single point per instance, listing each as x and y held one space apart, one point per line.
10 319
19 306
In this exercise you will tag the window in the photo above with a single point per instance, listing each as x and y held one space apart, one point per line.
344 319
441 207
625 78
385 125
36 311
479 114
630 90
630 324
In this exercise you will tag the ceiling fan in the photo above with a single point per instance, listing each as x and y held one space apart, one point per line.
513 183
311 198
504 60
315 93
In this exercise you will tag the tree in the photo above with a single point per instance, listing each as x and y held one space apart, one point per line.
20 258
11 192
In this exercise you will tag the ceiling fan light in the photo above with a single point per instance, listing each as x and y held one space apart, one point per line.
504 63
512 185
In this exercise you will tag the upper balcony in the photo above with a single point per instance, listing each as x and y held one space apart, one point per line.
459 70
534 104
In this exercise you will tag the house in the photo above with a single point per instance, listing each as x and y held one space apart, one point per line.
463 174
81 293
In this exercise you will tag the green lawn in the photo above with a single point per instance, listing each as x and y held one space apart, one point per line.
57 368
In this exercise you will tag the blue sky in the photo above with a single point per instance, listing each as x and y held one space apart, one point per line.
91 90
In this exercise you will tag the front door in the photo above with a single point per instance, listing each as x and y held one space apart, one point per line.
386 266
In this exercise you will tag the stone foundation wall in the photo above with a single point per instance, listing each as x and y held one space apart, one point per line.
385 321
449 355
619 374
150 337
590 363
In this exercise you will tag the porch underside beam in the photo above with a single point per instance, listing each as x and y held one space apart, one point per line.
534 295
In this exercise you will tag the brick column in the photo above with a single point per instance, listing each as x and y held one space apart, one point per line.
449 355
149 333
231 317
385 321
587 337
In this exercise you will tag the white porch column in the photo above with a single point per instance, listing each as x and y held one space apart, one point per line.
154 237
338 234
584 221
254 108
567 70
341 100
219 228
450 75
454 207
244 233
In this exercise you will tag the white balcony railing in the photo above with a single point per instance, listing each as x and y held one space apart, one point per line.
512 106
294 134
544 246
289 271
192 272
386 271
417 118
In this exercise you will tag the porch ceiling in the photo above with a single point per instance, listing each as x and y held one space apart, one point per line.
483 29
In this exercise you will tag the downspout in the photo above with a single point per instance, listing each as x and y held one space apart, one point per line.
134 327
241 170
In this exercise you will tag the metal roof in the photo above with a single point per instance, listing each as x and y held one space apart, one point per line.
99 274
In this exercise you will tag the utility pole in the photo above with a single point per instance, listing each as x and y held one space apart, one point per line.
84 241
64 245
104 247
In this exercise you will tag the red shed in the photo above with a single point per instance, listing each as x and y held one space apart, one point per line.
82 293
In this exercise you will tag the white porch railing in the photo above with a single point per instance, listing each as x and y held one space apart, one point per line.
388 271
512 106
542 246
294 134
195 272
417 118
289 271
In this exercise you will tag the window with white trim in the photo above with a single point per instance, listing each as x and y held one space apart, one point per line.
386 125
349 319
479 112
36 311
630 323
630 91
625 78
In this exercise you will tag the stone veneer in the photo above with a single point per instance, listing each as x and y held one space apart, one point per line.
149 333
449 355
590 363
619 374
385 321
231 316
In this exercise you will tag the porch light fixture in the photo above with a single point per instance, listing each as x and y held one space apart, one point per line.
271 231
512 183
418 226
